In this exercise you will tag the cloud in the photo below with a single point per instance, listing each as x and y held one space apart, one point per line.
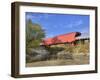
49 35
75 24
39 16
85 30
46 16
78 23
30 17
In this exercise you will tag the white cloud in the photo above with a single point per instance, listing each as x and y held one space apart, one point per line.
49 35
30 17
75 24
46 16
85 31
78 23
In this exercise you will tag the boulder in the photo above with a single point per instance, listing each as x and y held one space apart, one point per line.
38 54
64 55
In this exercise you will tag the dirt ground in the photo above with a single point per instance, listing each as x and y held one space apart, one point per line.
77 60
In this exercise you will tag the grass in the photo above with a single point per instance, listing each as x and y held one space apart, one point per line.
59 62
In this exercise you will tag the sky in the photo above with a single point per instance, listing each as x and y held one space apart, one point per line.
56 24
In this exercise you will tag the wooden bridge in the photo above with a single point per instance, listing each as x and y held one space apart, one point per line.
61 39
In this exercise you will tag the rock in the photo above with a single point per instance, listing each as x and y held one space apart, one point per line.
28 58
39 54
64 55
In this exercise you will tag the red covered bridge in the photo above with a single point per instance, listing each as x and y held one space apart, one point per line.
64 38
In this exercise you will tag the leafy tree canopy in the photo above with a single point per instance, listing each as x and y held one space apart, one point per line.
34 34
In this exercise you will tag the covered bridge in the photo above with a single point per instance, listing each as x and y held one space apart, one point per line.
61 39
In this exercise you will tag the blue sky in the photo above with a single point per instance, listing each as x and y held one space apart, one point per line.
55 24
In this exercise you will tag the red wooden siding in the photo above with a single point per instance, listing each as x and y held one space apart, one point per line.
65 38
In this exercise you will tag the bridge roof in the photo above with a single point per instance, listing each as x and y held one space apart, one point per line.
63 38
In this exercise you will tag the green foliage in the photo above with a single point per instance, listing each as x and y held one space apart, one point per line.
34 34
80 48
54 50
70 48
33 43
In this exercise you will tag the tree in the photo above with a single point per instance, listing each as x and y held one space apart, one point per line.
34 34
